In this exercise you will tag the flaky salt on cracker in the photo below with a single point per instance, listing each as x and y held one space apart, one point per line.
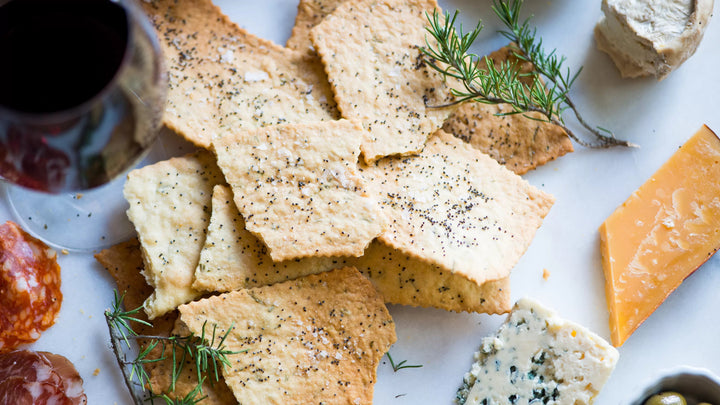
124 263
314 340
457 208
406 280
234 258
170 208
371 52
299 189
221 77
516 141
309 14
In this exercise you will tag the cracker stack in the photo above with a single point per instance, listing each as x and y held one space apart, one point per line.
294 216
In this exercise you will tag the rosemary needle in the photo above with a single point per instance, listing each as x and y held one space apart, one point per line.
401 365
500 83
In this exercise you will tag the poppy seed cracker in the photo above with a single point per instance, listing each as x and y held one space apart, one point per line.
405 280
222 78
170 209
457 208
299 188
314 340
371 52
234 258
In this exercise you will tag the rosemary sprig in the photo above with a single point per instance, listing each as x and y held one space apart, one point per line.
501 83
206 350
401 365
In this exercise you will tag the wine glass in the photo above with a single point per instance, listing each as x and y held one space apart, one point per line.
82 89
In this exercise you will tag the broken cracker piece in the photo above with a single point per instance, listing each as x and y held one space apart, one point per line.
234 258
371 52
222 78
299 188
519 143
457 208
125 264
170 208
317 339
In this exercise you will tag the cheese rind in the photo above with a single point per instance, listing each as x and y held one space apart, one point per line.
538 357
662 233
651 37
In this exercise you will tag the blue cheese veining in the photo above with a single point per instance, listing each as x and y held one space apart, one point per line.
538 358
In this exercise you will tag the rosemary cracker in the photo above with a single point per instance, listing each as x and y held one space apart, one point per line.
515 141
457 208
170 208
222 78
299 188
233 258
124 263
371 53
317 339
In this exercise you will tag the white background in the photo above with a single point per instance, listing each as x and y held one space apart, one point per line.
588 185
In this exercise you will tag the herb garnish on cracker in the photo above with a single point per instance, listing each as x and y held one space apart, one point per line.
521 142
125 264
501 83
317 339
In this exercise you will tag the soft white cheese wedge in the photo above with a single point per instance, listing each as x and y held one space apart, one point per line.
651 37
538 358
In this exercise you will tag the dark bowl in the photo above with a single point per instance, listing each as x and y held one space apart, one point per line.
696 384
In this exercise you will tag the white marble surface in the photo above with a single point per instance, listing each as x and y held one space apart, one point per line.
588 185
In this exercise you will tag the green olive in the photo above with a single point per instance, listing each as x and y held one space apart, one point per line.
704 403
666 398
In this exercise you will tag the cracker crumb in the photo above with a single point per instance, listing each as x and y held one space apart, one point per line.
96 372
546 274
65 252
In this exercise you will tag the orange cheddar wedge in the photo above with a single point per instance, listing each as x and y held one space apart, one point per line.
667 229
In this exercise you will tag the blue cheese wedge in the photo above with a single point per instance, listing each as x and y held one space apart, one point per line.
538 358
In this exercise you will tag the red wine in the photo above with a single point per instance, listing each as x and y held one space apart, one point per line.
81 91
58 54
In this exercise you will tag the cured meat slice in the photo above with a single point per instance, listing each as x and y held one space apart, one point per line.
30 296
39 378
72 383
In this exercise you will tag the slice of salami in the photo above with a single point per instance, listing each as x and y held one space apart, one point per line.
72 383
32 378
30 296
17 392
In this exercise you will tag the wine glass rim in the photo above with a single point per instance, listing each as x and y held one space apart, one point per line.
131 17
